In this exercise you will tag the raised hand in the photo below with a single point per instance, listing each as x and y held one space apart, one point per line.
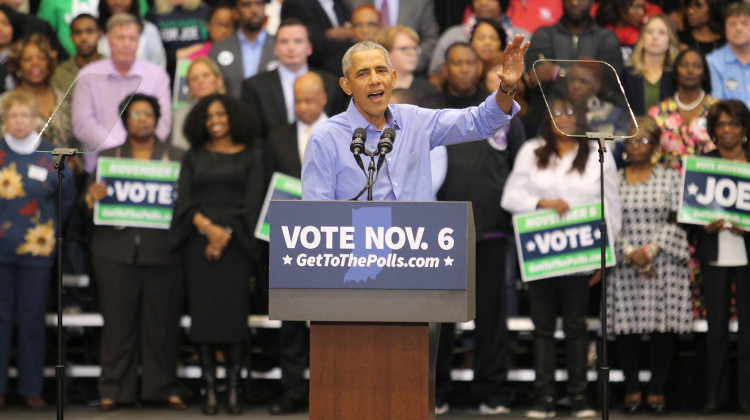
513 63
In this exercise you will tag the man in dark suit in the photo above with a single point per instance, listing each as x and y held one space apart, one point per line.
328 22
249 51
271 94
284 154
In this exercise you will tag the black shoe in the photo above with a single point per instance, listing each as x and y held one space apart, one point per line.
234 375
208 368
581 407
286 405
544 408
711 408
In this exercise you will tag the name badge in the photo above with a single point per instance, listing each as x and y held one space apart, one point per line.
732 84
37 173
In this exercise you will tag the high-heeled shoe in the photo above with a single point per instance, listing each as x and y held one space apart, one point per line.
656 403
633 403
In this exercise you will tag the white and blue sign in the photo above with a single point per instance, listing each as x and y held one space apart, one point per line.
715 189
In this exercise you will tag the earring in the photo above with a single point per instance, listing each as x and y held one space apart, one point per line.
744 139
654 158
625 157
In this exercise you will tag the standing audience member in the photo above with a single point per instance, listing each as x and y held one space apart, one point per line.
648 291
284 154
488 162
682 117
249 51
85 35
32 62
140 282
150 47
557 171
220 193
93 114
60 14
724 250
203 79
28 214
402 43
488 39
365 24
703 24
648 79
331 32
221 25
625 18
730 64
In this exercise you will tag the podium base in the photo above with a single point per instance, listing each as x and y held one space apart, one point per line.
373 371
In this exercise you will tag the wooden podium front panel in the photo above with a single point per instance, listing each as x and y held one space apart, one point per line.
376 371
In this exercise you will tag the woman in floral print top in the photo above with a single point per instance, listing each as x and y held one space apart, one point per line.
28 222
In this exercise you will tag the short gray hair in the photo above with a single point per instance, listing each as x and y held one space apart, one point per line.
120 19
346 62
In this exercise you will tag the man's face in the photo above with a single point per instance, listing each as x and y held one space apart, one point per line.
582 84
370 82
738 30
487 9
462 71
309 99
85 35
123 41
576 10
250 14
365 24
292 46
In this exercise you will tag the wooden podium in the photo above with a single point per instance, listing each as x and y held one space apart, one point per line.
373 332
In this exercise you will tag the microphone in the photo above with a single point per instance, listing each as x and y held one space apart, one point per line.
385 144
357 146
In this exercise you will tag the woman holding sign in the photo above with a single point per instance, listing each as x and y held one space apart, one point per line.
555 172
140 282
648 291
221 191
724 252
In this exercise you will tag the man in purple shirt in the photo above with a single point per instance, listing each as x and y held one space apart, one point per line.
103 84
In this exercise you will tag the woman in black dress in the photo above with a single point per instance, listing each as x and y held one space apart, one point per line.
220 194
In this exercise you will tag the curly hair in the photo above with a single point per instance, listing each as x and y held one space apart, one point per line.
126 103
16 51
243 123
731 107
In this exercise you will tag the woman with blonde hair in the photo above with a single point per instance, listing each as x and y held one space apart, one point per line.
648 79
203 78
402 44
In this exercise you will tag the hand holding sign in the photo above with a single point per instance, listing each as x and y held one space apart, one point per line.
559 205
715 226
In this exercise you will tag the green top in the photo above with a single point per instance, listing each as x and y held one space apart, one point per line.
651 93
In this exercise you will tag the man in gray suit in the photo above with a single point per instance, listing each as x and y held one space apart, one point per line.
249 51
416 14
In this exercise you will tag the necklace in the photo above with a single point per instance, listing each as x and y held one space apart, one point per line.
689 106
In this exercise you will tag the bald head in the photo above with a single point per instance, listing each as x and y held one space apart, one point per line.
309 97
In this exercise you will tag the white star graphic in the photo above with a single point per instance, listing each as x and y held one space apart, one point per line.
530 246
287 260
448 261
110 191
692 189
597 234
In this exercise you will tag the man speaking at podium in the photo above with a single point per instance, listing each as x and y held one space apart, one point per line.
330 172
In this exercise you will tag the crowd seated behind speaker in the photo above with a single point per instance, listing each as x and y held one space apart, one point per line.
703 25
329 25
248 51
150 46
93 113
402 43
85 35
728 64
271 94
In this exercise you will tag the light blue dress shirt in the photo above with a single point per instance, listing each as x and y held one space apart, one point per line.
251 52
288 78
730 79
329 171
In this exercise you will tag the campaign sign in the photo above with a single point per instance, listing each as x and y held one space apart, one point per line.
368 245
550 245
140 193
282 187
713 189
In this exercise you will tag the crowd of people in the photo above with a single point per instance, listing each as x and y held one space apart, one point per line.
234 89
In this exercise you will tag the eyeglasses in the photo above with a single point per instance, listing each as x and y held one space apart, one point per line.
139 115
371 25
645 141
569 112
410 50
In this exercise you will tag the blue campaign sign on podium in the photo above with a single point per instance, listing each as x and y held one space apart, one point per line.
377 245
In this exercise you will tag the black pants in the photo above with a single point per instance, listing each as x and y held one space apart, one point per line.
571 296
141 307
660 352
294 346
490 329
717 283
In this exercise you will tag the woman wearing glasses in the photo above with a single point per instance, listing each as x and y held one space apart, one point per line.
648 291
402 44
555 172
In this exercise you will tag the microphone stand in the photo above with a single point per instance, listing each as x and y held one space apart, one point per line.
604 364
59 154
370 175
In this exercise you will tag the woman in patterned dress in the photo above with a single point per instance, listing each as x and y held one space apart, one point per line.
648 291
